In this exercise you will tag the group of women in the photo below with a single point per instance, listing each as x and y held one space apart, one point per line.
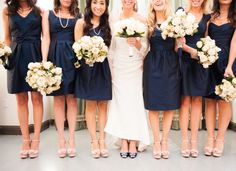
122 88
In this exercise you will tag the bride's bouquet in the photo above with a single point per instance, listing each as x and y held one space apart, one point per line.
130 28
44 77
91 49
5 52
179 25
227 89
207 51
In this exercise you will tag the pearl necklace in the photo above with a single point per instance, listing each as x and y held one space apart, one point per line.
67 20
97 33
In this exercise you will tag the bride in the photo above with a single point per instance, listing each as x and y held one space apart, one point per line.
126 113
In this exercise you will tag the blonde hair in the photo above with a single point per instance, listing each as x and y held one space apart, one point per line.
206 6
152 20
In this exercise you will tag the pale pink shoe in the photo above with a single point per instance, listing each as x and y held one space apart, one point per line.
208 150
103 151
24 153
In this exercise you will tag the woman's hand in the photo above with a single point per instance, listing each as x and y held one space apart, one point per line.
135 42
180 42
228 72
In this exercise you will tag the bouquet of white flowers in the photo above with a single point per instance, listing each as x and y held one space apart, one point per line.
5 52
227 89
91 49
207 51
179 25
130 28
44 77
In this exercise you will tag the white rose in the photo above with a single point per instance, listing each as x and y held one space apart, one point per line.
76 46
130 31
2 52
176 21
211 52
47 65
205 48
212 59
41 82
203 58
199 44
190 18
58 70
217 90
205 65
234 81
7 49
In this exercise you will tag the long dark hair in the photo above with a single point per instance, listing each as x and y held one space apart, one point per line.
74 8
104 22
231 13
14 5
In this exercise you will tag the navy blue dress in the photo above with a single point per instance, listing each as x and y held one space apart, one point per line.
26 47
61 53
194 76
222 35
94 83
161 75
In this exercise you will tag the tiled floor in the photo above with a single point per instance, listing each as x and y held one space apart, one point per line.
48 160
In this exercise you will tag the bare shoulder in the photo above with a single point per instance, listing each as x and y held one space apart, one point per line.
5 11
43 12
80 22
141 18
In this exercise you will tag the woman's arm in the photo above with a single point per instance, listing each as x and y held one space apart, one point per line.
232 56
79 27
6 28
45 35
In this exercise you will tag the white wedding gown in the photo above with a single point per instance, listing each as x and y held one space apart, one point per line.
127 118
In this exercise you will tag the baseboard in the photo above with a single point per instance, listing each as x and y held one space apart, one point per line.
232 126
15 130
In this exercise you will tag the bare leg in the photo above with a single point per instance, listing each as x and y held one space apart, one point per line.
102 108
23 116
71 117
167 121
225 114
59 111
91 109
196 110
37 102
184 121
210 116
154 123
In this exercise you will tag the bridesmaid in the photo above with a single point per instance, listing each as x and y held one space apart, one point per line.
161 69
59 25
127 116
22 28
194 81
94 83
222 29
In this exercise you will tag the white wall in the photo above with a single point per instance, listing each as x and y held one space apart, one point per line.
8 111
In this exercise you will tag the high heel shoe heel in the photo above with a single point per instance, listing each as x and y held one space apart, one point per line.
194 152
164 153
62 152
104 152
95 152
71 151
24 153
33 153
208 150
185 152
217 152
156 153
